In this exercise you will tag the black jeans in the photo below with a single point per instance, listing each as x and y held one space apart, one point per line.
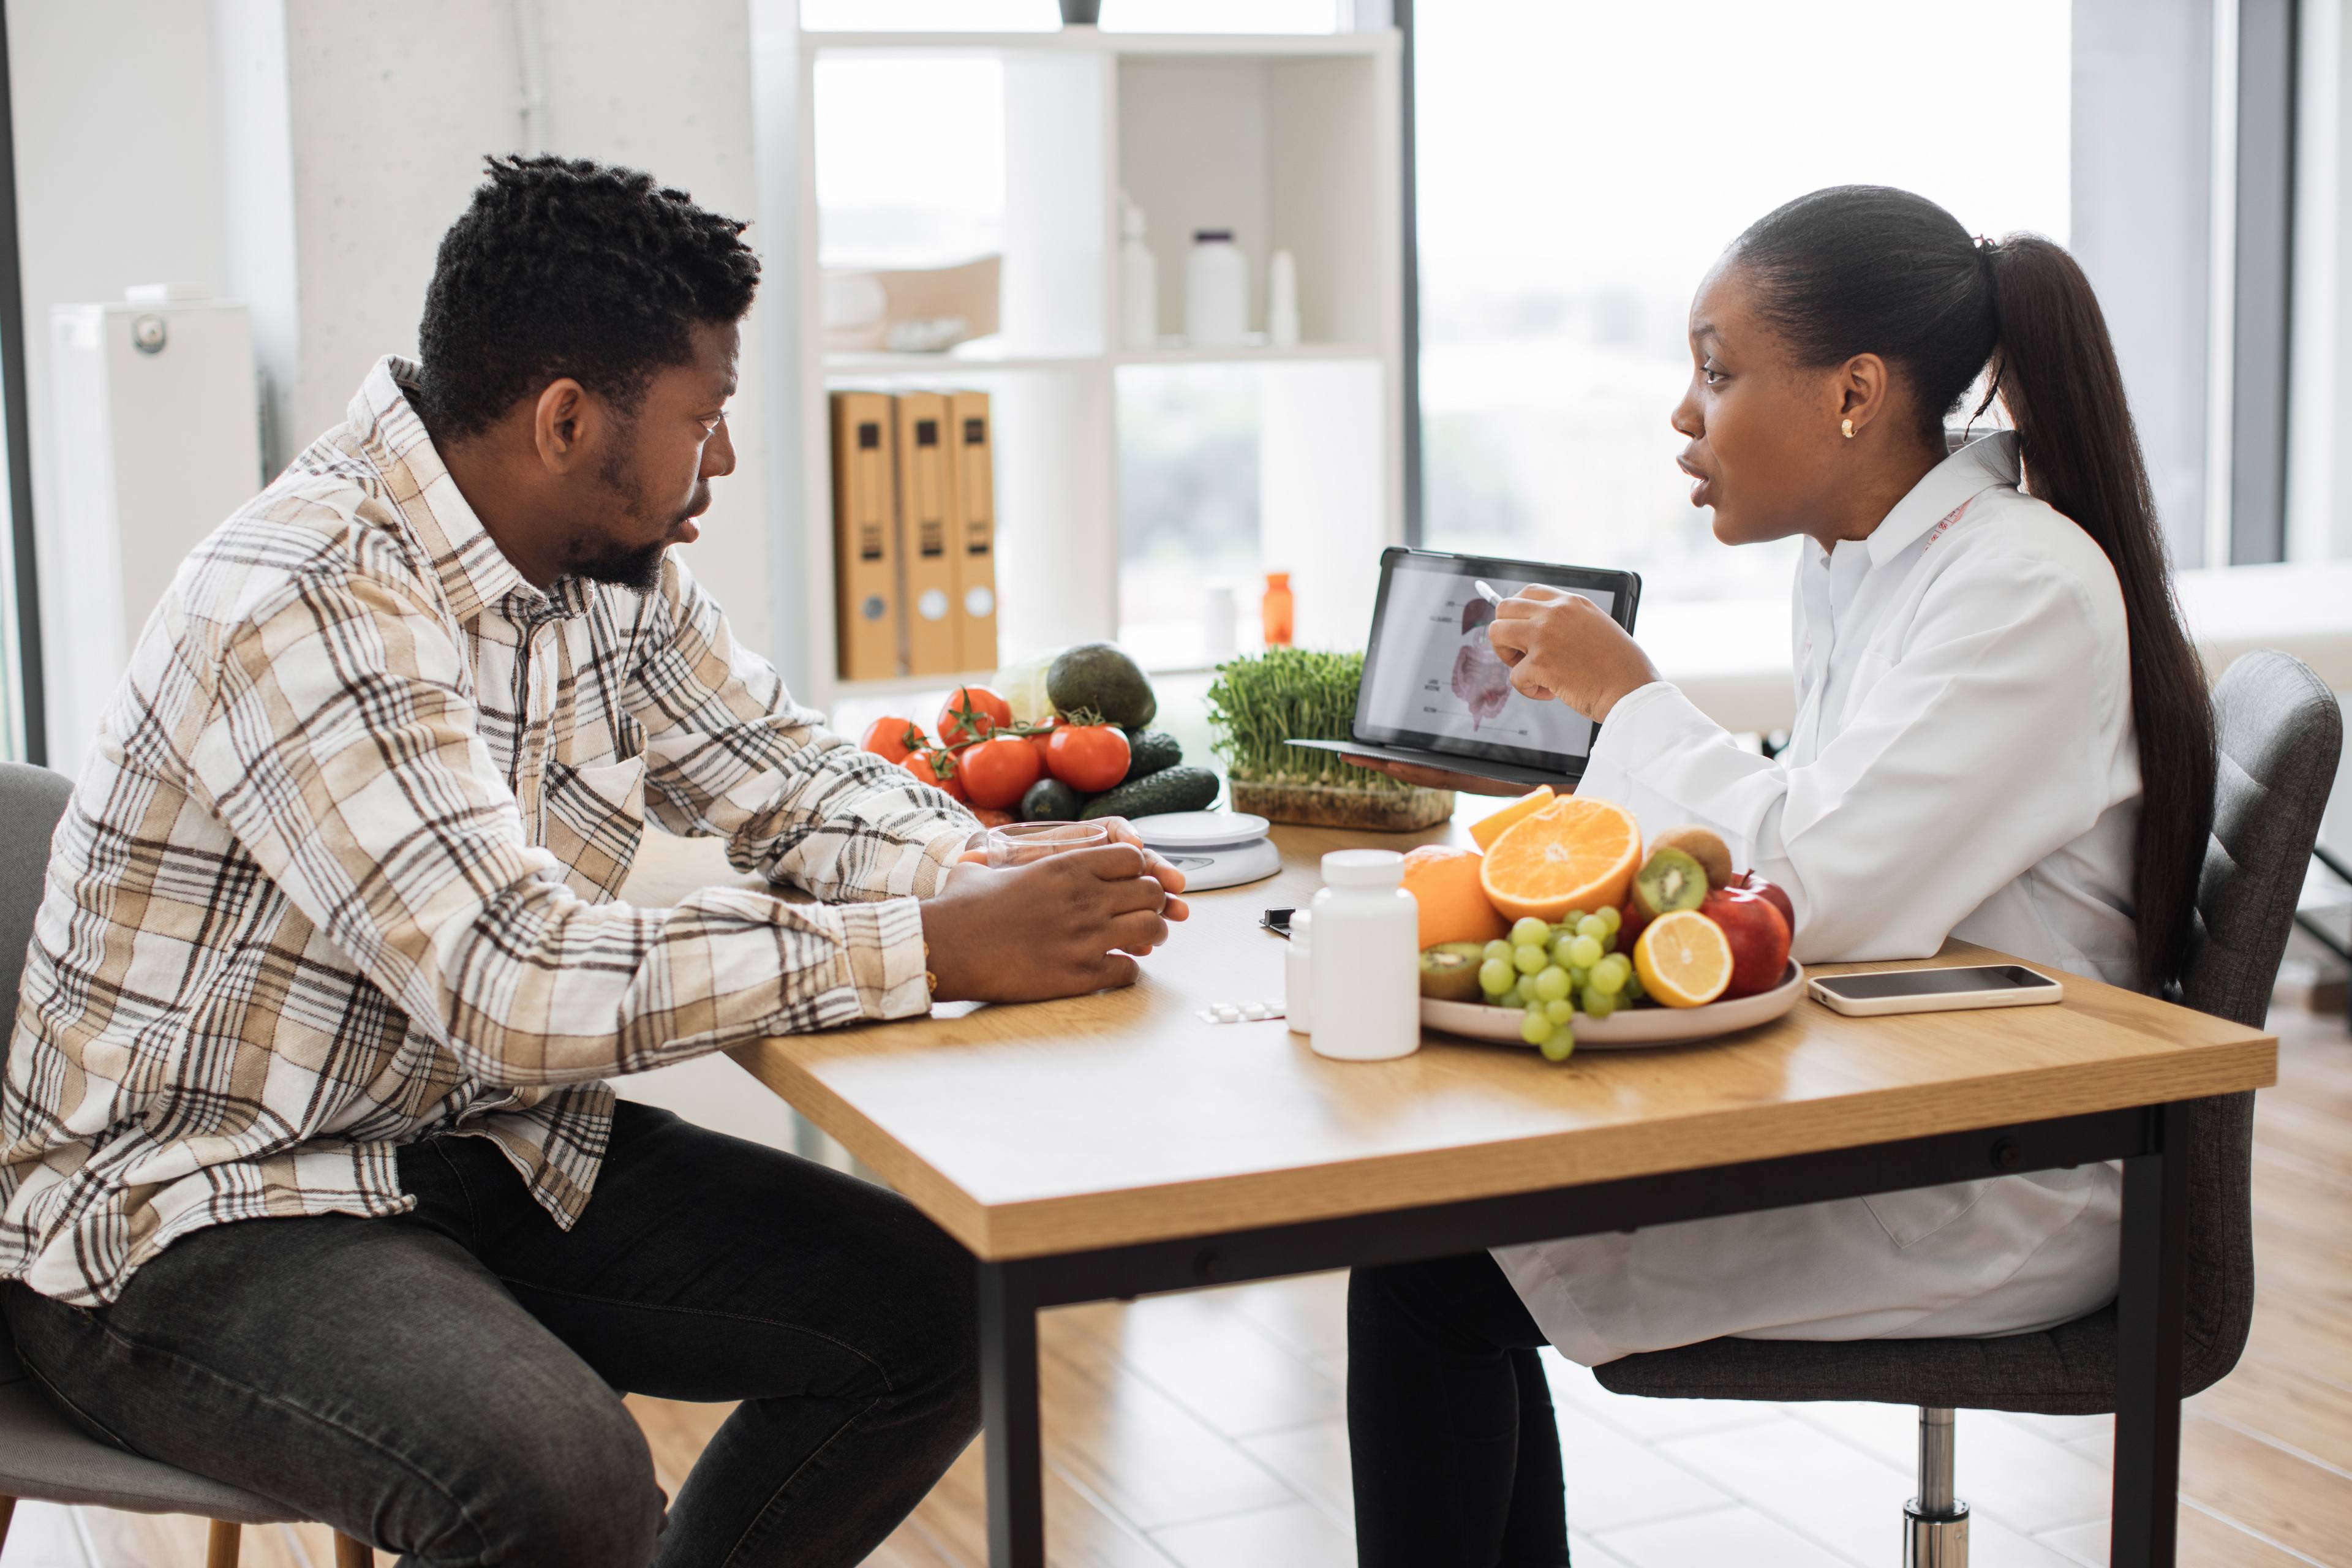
448 1383
1450 1426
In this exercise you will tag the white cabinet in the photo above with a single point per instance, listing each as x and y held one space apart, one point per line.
1292 142
158 438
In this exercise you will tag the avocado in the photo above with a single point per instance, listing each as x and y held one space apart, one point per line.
1169 789
1098 677
1150 751
1049 800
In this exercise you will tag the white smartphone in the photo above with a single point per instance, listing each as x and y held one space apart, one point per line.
1936 990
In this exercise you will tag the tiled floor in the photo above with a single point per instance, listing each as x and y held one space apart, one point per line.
1207 1431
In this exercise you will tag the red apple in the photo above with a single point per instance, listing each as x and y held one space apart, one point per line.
1772 892
1631 925
1759 938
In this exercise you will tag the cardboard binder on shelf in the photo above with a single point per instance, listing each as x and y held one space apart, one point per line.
864 543
971 534
924 482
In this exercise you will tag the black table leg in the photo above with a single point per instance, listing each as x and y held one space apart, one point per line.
2150 1304
1008 1393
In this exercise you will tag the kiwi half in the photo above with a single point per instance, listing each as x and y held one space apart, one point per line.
1703 845
1669 880
1449 971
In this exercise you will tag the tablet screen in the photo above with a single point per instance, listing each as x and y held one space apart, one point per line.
1432 679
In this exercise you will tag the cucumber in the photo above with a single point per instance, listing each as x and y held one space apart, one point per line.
1149 751
1169 789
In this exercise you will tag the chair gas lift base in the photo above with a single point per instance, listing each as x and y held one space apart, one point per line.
1936 1523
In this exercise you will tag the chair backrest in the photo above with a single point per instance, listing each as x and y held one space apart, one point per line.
2281 733
31 801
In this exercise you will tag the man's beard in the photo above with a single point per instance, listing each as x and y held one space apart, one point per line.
637 568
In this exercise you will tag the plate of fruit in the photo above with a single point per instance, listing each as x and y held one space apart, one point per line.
1563 930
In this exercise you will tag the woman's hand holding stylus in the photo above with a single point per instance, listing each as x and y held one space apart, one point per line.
1562 645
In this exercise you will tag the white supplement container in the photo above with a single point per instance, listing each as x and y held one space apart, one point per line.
1298 974
1366 956
1216 290
1282 301
1139 282
1221 621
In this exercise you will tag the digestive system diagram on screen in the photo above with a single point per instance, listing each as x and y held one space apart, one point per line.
1480 677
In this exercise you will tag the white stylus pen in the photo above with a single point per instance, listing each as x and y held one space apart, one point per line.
1485 590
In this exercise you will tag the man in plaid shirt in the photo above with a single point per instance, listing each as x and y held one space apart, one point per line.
309 1180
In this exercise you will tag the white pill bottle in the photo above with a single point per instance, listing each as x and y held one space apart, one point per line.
1366 958
1216 290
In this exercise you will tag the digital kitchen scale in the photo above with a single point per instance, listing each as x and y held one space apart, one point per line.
1212 848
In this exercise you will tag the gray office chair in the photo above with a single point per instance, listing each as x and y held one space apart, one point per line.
42 1455
2281 733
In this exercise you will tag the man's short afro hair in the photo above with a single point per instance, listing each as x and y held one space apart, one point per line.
562 266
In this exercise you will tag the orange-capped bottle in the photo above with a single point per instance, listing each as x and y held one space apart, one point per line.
1274 609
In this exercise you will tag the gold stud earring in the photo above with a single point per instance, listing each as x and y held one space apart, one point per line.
1847 426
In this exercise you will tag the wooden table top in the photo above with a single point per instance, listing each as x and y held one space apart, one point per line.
1122 1116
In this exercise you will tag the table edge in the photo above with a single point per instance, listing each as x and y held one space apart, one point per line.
1052 1224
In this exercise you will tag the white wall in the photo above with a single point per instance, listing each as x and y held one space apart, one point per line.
668 88
305 155
256 168
118 181
393 105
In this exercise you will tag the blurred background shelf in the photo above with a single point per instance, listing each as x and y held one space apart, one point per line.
948 366
1094 41
1128 480
1248 354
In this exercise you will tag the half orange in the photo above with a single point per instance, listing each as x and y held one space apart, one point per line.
1684 959
1574 854
1486 829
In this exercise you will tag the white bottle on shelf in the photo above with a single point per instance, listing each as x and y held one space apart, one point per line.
1282 300
1139 282
1216 290
1366 959
1221 621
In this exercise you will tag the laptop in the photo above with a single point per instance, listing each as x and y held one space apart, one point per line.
1435 691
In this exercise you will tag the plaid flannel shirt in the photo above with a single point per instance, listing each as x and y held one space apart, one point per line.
341 872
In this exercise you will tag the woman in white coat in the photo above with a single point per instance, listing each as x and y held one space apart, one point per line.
2003 734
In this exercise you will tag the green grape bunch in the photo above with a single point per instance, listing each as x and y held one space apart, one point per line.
1554 971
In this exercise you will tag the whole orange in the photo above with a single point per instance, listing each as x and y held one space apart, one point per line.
1444 881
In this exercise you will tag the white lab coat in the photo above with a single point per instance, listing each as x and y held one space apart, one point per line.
1963 763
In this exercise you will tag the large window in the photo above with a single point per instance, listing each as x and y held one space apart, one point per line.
1582 165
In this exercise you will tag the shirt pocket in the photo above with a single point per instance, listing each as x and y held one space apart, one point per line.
596 817
1910 1218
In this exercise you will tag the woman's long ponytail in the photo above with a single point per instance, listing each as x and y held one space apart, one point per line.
1868 269
2057 375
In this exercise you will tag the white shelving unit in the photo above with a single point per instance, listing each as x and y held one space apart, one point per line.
1293 141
